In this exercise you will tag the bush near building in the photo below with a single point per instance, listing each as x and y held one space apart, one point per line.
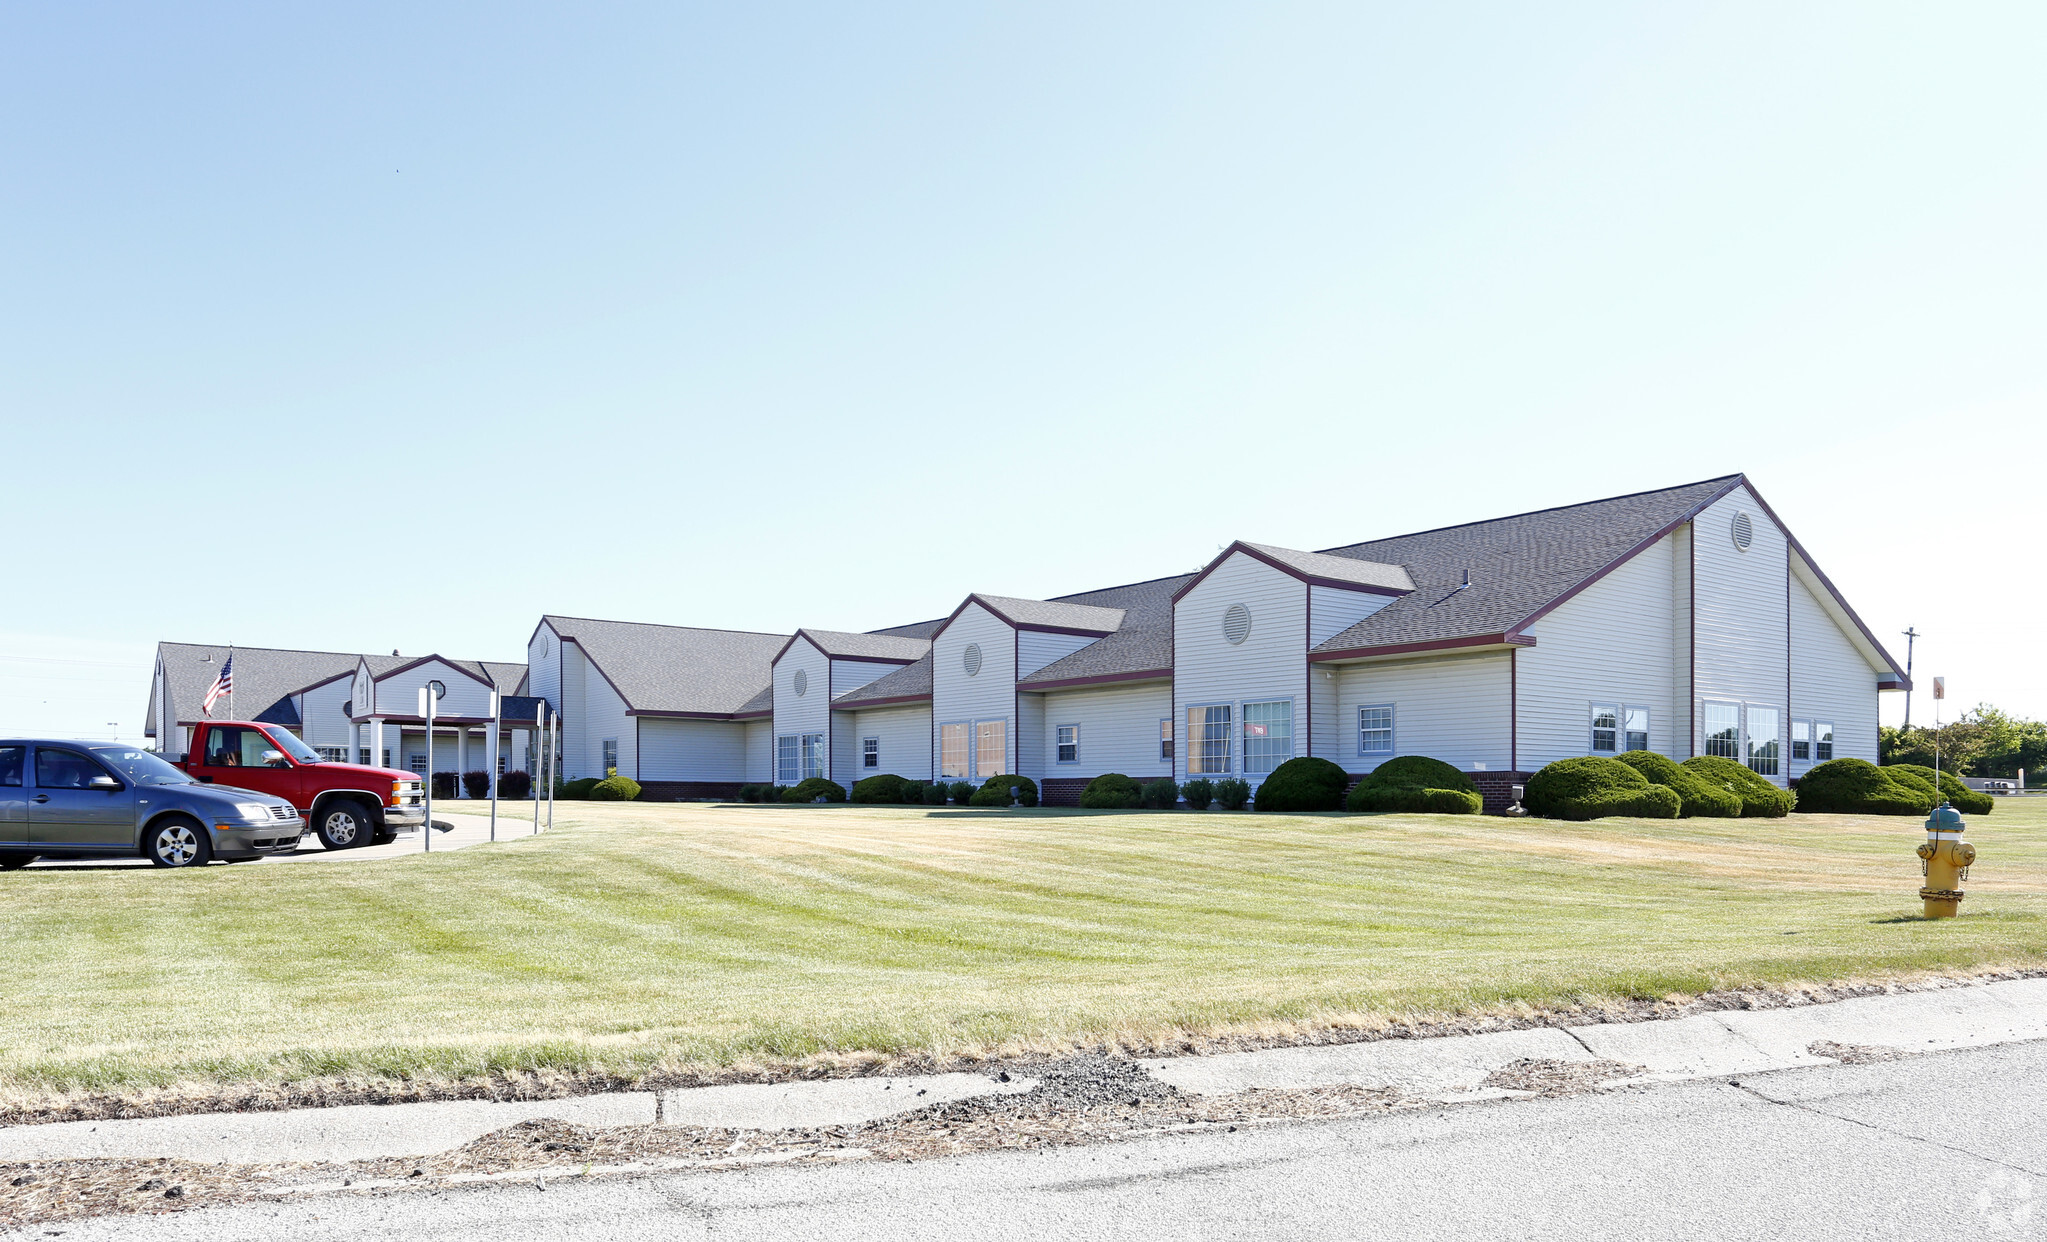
476 784
1198 793
1759 798
1161 794
1231 794
912 793
515 785
887 787
577 790
936 793
1945 787
961 791
1416 784
1595 787
615 789
1696 795
999 790
1859 787
1303 784
813 789
1112 791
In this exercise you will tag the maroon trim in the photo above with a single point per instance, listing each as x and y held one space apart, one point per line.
1290 571
1149 674
1509 639
866 703
600 672
1015 702
1308 670
1514 708
1826 581
1433 530
1629 555
1033 626
1692 645
649 711
428 659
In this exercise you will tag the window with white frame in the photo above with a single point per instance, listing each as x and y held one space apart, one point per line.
952 749
1723 729
1068 742
387 759
1764 744
1166 740
870 752
610 766
1268 735
417 763
333 754
1822 740
1209 737
502 759
1375 729
1635 730
813 755
788 754
1801 741
991 748
1606 728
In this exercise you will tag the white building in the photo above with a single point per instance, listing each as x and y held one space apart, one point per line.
1686 620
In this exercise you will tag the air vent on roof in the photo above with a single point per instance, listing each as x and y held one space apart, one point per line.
801 682
1236 624
1744 531
971 658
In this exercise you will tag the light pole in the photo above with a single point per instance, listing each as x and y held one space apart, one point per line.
1911 635
429 699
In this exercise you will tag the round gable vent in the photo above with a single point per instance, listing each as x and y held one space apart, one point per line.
1236 624
801 682
971 659
1744 531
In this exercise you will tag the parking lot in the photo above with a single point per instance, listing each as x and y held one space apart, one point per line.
465 829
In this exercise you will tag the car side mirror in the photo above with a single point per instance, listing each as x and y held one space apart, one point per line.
103 781
273 756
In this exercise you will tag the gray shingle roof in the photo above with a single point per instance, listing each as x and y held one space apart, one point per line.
916 629
1339 568
673 668
909 681
1519 565
1141 644
866 646
1063 614
266 677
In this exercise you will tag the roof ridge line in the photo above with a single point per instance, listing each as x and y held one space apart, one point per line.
663 625
1508 517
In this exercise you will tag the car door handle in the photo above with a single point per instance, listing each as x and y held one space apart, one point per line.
42 798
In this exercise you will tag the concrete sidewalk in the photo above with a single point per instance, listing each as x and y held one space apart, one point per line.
1450 1069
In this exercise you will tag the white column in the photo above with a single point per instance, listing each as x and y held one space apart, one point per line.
354 742
461 760
377 743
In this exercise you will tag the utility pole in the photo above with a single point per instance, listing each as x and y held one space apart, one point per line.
1910 636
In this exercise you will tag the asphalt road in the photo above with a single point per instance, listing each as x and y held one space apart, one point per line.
1948 1144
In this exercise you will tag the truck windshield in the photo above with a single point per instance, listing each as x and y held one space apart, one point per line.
290 745
140 766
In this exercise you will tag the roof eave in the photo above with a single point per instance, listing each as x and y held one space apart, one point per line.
1100 679
1503 641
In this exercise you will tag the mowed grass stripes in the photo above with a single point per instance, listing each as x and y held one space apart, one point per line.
644 938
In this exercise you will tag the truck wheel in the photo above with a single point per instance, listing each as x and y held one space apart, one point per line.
15 862
175 841
344 825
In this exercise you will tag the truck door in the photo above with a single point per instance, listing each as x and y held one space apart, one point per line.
13 796
246 759
78 802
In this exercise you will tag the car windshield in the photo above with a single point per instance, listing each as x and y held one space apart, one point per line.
142 767
299 751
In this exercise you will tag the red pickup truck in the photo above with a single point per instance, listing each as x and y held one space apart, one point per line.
347 804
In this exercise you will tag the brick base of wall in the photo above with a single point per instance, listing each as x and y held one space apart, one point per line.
1060 791
1496 788
687 791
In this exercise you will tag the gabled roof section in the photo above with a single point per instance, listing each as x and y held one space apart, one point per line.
264 676
916 629
1054 616
908 684
1520 568
1337 571
1141 647
673 669
841 645
468 668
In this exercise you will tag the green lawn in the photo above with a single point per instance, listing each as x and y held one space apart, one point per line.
643 937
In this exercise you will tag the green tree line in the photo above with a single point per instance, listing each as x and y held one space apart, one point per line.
1984 742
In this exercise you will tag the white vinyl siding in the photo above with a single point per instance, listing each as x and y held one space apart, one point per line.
989 694
1450 708
853 674
1741 610
809 712
324 711
905 736
760 750
1830 679
1119 729
604 717
546 682
1332 610
1271 662
1608 645
845 752
398 693
695 750
1035 650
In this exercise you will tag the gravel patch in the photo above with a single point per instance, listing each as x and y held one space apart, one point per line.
1855 1054
1557 1078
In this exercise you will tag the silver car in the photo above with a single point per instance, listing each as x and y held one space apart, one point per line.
100 800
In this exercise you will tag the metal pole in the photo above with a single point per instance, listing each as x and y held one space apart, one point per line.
490 761
1911 635
554 760
426 704
539 773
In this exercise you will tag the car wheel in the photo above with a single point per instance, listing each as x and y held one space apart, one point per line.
15 862
177 842
345 825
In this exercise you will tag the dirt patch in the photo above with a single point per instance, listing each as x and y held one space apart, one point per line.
1855 1054
1555 1078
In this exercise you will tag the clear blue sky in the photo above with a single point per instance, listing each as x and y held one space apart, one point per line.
394 326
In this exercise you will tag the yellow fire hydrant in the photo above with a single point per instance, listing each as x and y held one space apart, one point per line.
1944 861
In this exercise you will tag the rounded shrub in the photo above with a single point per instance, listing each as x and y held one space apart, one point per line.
1111 791
1759 798
1199 793
961 791
578 790
1947 785
615 789
999 790
1595 787
887 787
1416 785
1859 787
911 794
749 793
936 793
1696 795
1231 794
515 785
1161 794
1303 784
813 789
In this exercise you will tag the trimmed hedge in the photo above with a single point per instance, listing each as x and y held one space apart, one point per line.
1595 787
476 783
810 789
1696 795
1859 787
1112 791
615 789
1416 784
1231 794
997 790
887 787
1303 784
936 793
1948 786
912 793
444 784
578 790
1161 794
960 791
1759 798
515 785
1198 792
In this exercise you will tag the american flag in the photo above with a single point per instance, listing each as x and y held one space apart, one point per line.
223 684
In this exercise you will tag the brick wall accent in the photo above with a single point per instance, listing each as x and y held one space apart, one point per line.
1495 787
1060 791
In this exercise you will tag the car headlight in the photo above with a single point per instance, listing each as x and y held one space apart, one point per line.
253 810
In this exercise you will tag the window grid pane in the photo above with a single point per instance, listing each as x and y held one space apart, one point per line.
870 752
991 747
785 759
1763 742
1208 740
1605 728
952 750
1823 740
1069 743
1166 740
1801 741
1268 735
1723 730
1637 721
1375 730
